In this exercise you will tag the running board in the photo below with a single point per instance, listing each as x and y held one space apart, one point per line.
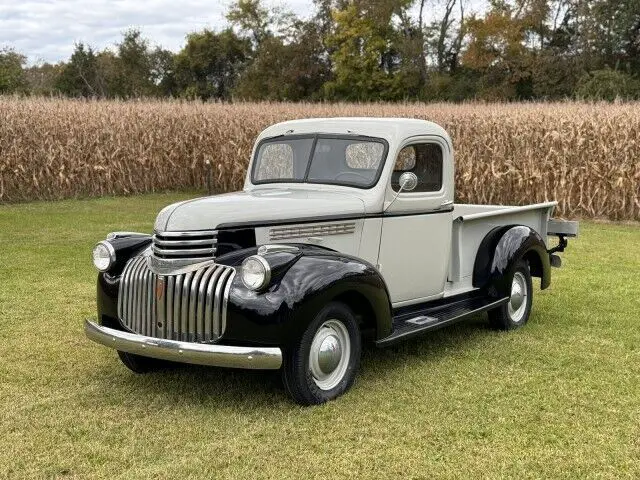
410 324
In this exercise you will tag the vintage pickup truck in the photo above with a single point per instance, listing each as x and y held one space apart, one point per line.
346 231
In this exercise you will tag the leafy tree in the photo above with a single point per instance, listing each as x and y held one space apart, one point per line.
358 50
110 76
607 32
41 79
366 51
503 44
163 72
444 40
406 57
607 84
293 70
251 18
259 23
80 76
210 64
452 87
139 69
12 75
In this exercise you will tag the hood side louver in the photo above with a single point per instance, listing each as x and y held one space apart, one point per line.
298 231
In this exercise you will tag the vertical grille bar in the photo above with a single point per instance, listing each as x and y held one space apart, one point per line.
146 317
217 304
202 301
132 294
177 301
150 297
184 314
189 307
139 303
168 323
127 293
208 314
194 304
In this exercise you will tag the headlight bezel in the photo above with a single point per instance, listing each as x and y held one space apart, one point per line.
266 268
112 255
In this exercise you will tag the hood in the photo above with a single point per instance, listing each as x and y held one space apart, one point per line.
260 206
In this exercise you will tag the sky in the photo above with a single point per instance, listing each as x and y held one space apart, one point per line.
46 30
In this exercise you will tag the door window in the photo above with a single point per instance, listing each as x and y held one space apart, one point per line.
423 159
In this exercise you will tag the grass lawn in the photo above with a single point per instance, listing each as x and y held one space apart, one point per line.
558 398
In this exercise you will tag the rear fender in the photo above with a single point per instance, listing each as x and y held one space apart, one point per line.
501 248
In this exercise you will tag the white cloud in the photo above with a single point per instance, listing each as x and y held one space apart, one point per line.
46 30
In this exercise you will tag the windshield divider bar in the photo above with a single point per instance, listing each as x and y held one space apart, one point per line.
311 154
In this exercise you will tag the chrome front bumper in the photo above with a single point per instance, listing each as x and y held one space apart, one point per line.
185 352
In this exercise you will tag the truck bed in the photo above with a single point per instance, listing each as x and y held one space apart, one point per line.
471 223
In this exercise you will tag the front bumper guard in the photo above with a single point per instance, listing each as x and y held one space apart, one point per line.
259 358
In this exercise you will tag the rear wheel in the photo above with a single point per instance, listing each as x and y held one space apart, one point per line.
139 364
516 311
324 363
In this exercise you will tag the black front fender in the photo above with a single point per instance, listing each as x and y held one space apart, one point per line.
501 248
311 279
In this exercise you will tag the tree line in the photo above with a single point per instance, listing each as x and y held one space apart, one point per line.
364 50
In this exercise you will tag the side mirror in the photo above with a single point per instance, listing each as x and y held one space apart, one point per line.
408 181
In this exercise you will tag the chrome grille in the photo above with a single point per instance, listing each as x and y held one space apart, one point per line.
190 307
297 231
185 245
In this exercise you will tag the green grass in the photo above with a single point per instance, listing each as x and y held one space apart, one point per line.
558 398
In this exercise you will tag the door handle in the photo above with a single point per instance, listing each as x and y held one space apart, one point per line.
448 203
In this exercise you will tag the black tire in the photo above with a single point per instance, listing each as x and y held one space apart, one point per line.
504 317
139 364
297 376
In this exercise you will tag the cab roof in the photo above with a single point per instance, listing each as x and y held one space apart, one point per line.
394 130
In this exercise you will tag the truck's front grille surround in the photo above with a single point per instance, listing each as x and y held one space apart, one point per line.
189 307
185 245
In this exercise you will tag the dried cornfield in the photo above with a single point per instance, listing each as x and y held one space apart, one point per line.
587 156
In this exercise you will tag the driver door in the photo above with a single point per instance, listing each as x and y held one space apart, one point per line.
416 228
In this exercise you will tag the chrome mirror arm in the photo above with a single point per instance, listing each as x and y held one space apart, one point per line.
395 197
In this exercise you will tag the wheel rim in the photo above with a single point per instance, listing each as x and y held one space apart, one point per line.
329 354
517 305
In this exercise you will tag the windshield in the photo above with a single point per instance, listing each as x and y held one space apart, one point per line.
339 160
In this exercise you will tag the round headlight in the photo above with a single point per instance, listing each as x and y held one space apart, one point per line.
104 256
256 272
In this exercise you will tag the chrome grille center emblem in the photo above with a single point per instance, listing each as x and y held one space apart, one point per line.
160 288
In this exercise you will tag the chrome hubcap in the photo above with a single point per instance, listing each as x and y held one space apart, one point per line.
517 305
329 354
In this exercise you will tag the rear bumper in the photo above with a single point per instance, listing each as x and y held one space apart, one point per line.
269 358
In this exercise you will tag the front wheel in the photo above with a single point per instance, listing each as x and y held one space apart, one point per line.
516 311
324 363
